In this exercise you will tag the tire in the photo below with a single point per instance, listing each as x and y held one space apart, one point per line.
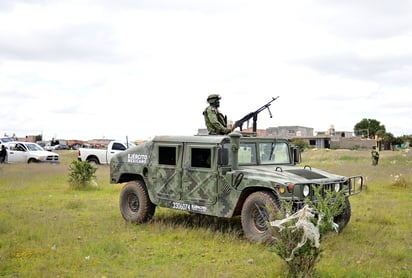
93 161
343 219
135 204
255 215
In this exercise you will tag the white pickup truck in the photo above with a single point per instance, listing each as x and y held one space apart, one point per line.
102 156
29 153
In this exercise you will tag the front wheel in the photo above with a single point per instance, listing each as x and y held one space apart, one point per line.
343 219
135 204
255 216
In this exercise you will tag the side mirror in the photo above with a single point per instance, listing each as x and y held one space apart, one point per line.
296 155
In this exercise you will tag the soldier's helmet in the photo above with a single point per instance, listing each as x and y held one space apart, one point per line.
213 98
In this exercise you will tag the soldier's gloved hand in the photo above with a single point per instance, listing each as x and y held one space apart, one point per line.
228 130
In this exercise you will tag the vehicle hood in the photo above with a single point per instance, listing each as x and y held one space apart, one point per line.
42 153
288 174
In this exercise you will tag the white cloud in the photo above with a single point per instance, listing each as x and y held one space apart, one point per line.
87 69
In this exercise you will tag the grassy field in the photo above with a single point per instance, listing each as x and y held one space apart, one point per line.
48 230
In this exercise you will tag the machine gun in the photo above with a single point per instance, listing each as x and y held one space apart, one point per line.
253 115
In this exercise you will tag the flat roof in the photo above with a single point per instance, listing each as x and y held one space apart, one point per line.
209 139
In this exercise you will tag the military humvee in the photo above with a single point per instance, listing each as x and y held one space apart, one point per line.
223 176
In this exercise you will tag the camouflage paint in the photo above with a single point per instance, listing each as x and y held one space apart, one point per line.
165 164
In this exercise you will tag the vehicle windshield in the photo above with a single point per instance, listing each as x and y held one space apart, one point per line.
130 145
274 152
7 139
261 153
34 147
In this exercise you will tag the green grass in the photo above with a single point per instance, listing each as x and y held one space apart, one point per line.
49 230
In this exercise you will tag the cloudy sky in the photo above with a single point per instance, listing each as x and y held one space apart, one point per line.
85 69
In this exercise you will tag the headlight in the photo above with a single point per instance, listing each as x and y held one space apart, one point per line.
337 187
306 190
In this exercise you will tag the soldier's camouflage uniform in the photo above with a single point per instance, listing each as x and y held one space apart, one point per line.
375 156
214 120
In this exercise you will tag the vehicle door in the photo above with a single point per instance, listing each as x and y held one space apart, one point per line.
115 149
200 175
16 152
165 176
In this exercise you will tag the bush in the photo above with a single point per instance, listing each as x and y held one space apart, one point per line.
81 175
399 181
300 143
298 235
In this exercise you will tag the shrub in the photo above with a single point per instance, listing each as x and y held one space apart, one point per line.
81 174
399 181
298 235
300 143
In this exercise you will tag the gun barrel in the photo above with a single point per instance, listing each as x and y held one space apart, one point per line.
253 115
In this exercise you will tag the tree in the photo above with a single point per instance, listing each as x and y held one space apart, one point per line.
398 141
406 139
388 138
369 127
300 143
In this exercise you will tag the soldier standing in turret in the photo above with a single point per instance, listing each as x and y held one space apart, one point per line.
215 122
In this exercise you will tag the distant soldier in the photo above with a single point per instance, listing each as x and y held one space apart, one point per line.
215 122
3 154
375 156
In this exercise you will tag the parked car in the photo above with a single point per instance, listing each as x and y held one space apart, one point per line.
49 147
103 156
4 140
61 147
29 152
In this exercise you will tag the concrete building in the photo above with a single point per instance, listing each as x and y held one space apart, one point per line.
290 131
336 134
329 139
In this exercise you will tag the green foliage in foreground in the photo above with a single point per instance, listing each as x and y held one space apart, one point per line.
298 235
299 250
49 230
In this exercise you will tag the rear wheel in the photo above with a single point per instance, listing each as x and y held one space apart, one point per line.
135 204
255 216
93 160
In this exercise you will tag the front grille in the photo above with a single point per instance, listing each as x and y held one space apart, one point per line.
326 187
329 187
52 158
350 186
